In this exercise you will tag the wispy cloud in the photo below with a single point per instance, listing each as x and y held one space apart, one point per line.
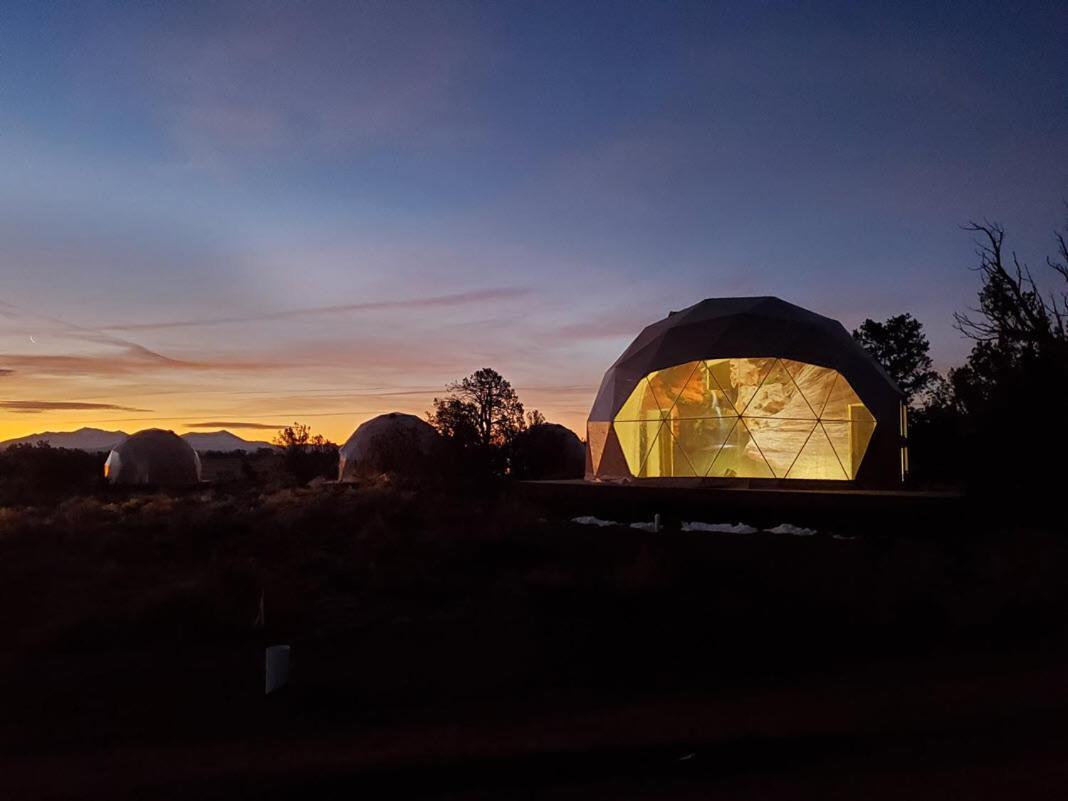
52 406
85 333
4 371
127 361
230 424
434 301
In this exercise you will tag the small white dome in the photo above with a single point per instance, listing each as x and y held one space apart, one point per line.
388 442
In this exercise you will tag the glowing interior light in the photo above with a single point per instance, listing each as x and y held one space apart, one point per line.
743 418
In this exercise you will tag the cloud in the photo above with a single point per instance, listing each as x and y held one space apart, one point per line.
228 424
435 301
4 371
84 333
31 407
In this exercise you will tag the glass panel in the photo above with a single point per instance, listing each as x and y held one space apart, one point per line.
638 440
666 385
740 378
596 434
814 382
780 401
739 457
817 459
839 400
701 440
778 396
641 405
702 396
850 441
673 459
779 440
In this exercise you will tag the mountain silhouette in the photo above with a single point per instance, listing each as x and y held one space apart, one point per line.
96 439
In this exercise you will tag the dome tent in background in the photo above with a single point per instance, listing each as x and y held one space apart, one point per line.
155 457
548 451
392 442
747 388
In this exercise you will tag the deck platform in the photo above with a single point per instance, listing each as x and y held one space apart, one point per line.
819 504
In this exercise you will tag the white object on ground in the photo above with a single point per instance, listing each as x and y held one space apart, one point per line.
277 658
651 527
786 528
590 520
720 528
841 537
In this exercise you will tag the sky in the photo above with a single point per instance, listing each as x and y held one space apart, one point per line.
237 215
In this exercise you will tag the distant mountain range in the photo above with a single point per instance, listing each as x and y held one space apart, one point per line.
95 439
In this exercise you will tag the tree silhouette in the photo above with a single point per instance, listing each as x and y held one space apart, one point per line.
306 455
901 347
482 409
1012 310
1000 412
298 435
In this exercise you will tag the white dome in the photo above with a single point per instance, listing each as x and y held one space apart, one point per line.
387 442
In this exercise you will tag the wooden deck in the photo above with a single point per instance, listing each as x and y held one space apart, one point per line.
820 504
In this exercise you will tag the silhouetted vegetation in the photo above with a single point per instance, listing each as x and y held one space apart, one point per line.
135 619
480 418
995 422
30 472
305 455
901 347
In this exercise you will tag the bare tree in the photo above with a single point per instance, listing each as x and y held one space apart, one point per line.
1012 310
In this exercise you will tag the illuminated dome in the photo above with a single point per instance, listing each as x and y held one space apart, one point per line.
746 388
393 442
153 456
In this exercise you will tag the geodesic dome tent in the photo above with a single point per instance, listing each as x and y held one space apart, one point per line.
153 456
548 451
389 442
746 388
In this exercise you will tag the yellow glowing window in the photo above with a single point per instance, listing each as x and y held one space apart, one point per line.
744 418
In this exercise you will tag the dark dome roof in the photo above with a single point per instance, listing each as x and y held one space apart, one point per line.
744 327
153 456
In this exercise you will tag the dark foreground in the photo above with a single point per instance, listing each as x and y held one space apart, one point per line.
476 648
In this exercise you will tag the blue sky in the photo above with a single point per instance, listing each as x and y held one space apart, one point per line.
442 186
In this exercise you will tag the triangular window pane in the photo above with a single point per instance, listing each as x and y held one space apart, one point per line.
740 456
839 401
813 382
701 440
596 434
850 442
641 405
780 441
817 459
702 397
778 396
638 441
613 463
742 379
666 385
674 461
635 439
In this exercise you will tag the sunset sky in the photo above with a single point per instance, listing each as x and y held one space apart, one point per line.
240 215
